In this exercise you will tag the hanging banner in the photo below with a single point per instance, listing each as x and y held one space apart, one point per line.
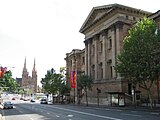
73 78
2 71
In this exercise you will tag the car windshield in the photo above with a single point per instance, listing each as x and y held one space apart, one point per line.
7 103
43 99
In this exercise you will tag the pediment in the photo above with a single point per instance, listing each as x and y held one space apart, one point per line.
99 12
95 14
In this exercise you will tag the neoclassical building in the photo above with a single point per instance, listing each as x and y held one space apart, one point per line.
104 29
29 82
75 60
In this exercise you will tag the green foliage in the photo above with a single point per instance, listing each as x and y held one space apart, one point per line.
140 59
52 81
64 89
8 83
84 81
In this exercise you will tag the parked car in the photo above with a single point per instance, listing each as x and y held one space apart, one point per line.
32 100
7 105
13 98
44 101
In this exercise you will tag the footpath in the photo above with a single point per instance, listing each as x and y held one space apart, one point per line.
133 108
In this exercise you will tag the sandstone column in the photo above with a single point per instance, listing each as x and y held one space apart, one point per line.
86 57
89 57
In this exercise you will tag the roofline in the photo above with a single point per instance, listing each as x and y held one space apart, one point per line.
154 15
109 6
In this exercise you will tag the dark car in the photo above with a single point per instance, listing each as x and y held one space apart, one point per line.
7 105
44 101
32 100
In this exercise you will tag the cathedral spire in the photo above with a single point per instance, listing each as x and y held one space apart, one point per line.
25 68
34 66
34 73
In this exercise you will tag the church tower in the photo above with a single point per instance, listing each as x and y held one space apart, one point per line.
34 76
29 82
24 74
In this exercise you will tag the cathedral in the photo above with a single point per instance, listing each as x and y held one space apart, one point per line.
29 82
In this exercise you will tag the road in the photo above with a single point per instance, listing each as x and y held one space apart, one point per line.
35 111
25 110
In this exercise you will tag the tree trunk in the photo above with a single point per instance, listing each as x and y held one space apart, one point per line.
86 97
158 90
150 98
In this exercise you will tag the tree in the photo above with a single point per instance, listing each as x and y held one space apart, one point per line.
84 82
52 82
64 90
139 61
8 82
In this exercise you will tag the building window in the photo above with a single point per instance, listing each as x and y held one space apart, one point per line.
83 60
101 73
134 18
71 62
111 72
100 48
93 50
109 43
126 17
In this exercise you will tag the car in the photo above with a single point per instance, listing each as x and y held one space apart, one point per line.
32 100
7 105
44 101
13 98
21 98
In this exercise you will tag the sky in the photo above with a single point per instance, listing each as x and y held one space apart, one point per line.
45 30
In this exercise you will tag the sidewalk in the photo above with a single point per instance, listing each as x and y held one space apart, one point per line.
137 108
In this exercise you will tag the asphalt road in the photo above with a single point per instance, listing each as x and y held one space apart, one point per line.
25 110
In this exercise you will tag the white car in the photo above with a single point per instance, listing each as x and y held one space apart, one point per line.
7 105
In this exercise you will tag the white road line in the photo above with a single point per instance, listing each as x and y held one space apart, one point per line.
20 111
114 109
132 115
57 116
31 118
155 113
90 114
70 115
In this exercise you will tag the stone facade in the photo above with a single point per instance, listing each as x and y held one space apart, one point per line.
75 60
29 82
104 29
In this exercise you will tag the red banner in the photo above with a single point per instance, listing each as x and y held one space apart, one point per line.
73 78
2 71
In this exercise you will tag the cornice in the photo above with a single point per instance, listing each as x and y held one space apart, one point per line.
111 8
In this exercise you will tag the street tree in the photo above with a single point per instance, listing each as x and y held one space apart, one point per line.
84 82
139 61
8 82
52 82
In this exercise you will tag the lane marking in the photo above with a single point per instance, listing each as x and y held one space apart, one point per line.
114 109
70 115
90 114
155 113
132 115
31 118
57 116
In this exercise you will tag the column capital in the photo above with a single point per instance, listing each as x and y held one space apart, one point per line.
87 41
